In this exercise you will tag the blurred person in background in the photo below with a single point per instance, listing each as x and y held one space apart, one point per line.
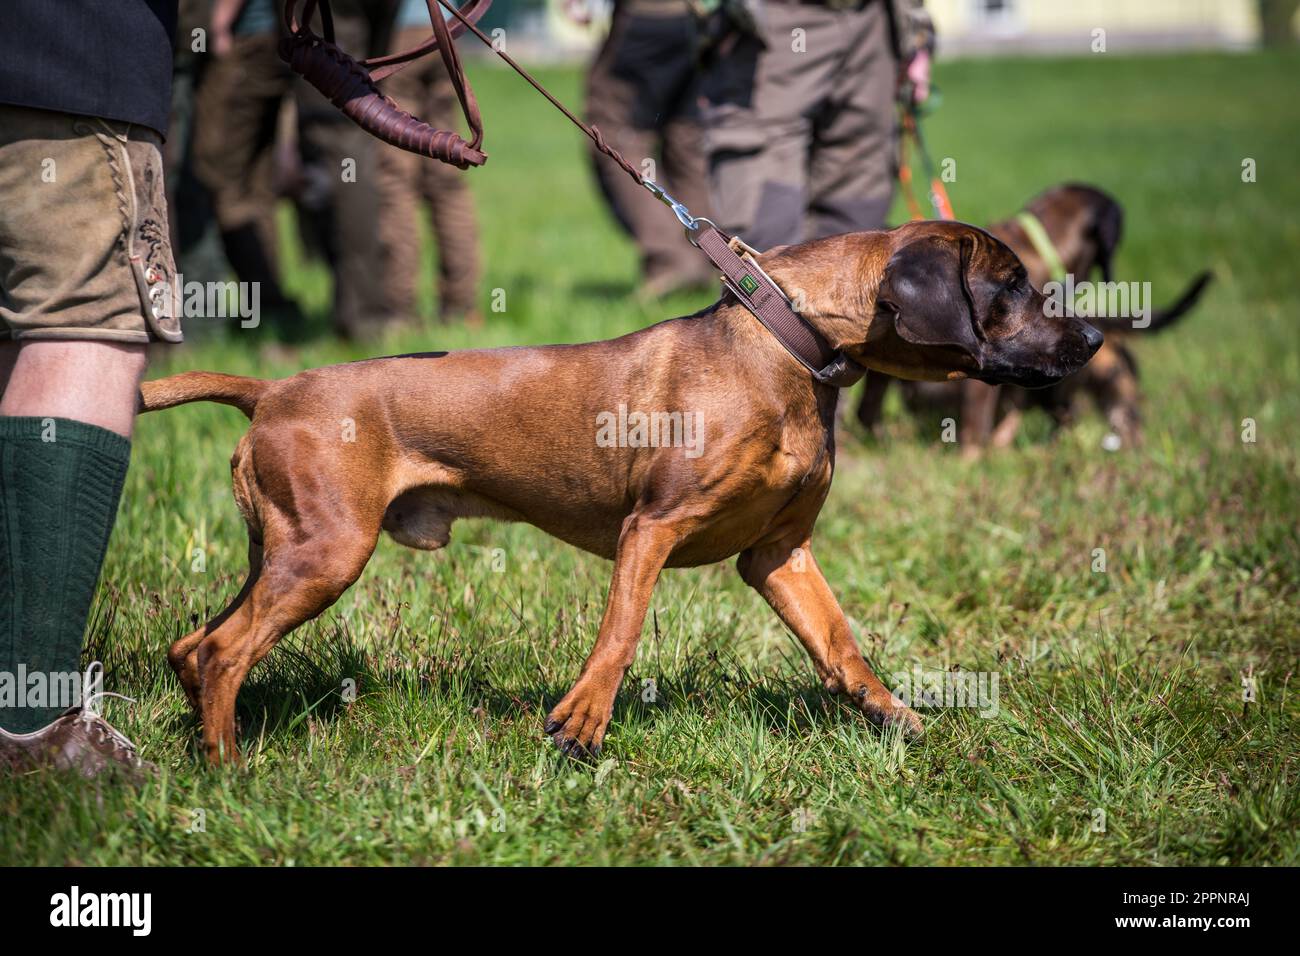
642 92
408 183
799 113
239 97
335 181
338 193
196 240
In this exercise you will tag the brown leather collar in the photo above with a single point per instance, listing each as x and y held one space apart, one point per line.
756 291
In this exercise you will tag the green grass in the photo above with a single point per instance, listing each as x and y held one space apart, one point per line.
1119 692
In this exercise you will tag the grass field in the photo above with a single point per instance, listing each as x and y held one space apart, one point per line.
1120 692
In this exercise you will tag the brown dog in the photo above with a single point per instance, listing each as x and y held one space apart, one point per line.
1083 225
514 433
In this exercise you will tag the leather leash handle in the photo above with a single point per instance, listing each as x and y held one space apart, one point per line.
350 86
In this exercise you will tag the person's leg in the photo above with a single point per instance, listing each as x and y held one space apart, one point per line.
757 112
84 263
606 106
455 223
339 160
196 238
633 89
91 382
65 423
236 115
397 184
686 166
853 159
685 162
407 182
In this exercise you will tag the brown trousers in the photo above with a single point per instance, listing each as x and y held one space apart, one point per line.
339 195
801 133
236 116
641 92
407 182
237 107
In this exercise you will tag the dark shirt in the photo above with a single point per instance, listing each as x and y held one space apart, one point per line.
109 58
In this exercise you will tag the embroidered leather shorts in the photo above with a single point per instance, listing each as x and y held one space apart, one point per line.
84 245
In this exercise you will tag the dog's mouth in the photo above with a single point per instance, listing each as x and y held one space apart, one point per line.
1023 377
1074 349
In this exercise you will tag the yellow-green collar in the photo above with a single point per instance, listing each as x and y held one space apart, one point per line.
1042 244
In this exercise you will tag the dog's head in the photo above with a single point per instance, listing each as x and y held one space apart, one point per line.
954 302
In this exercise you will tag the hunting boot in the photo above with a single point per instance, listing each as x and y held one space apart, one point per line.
79 740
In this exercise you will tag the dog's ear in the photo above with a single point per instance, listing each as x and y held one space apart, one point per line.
925 286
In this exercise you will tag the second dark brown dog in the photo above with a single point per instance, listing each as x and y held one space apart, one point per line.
1084 225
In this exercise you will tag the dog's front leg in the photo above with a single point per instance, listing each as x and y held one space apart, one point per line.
789 579
871 406
578 722
979 408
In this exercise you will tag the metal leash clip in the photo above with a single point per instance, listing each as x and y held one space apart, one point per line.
691 223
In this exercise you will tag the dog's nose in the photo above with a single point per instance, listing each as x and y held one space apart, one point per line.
1093 337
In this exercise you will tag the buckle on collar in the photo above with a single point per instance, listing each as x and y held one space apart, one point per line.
841 373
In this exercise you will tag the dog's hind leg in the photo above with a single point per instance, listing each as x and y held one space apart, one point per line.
787 576
297 581
183 656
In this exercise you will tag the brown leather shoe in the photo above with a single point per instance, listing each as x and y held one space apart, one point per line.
79 740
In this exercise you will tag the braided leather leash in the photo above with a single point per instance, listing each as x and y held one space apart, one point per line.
350 85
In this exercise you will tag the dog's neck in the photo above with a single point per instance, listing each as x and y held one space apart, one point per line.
832 285
747 342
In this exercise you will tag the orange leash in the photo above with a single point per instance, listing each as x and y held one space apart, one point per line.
939 201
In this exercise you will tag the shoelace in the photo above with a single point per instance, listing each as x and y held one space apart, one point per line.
90 714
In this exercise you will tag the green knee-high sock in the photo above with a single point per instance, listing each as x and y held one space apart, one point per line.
60 482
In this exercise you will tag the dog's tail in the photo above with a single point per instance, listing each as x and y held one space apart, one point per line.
1160 318
235 390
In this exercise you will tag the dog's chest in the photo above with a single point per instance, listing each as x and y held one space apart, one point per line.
800 455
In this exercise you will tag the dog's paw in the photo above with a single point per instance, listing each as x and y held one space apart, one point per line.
907 720
887 711
577 727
